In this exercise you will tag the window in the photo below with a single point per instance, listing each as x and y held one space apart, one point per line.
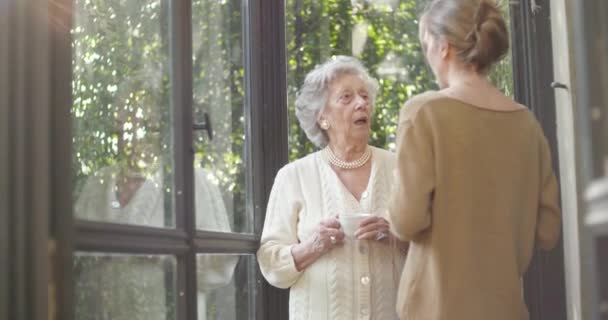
122 113
383 34
162 179
218 72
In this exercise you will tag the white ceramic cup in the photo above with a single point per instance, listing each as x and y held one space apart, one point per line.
350 223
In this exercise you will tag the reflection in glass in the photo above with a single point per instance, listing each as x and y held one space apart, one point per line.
218 93
209 206
225 286
124 287
122 164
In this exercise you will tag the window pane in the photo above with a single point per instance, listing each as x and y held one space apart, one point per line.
383 34
121 114
226 286
219 96
502 74
124 287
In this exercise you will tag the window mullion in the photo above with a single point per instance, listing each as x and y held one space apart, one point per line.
268 118
110 237
181 104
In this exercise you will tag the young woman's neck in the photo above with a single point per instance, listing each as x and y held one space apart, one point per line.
460 75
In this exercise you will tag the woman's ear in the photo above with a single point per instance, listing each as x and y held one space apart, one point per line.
444 48
323 115
324 124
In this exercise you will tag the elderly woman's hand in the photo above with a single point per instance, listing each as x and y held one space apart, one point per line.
373 228
378 228
326 236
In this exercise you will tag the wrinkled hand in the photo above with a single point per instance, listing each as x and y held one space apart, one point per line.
327 235
373 228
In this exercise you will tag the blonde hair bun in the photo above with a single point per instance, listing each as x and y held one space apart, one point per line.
476 29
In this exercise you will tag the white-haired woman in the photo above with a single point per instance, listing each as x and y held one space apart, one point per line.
303 245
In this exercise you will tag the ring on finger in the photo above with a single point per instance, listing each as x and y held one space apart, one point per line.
380 235
333 240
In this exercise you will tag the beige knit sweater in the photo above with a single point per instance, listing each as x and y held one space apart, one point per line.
476 195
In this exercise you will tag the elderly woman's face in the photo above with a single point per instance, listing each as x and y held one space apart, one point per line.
348 108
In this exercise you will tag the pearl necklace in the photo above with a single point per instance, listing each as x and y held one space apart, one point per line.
331 157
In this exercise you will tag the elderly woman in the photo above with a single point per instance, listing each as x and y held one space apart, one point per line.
332 275
477 193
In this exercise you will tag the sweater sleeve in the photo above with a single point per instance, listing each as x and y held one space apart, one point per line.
280 234
410 209
549 215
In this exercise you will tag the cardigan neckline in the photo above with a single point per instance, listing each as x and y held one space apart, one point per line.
340 184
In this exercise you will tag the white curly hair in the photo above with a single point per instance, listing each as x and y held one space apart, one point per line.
313 95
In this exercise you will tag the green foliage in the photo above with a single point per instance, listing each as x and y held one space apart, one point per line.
317 30
120 86
122 108
219 91
502 75
386 40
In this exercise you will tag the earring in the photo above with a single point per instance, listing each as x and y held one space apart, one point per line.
324 124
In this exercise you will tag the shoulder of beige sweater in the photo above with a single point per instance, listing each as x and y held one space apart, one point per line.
538 128
412 106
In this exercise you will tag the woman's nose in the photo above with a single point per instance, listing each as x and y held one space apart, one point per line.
360 102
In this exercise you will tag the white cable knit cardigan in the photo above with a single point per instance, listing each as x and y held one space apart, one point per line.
356 281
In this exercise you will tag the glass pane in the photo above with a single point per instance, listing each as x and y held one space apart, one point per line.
502 74
122 140
219 97
226 286
124 287
383 34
